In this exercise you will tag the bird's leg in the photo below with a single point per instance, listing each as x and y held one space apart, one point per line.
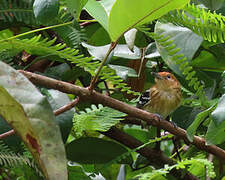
145 124
158 133
159 116
174 138
158 143
173 123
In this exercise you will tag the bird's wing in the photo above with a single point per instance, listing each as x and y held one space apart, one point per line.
143 100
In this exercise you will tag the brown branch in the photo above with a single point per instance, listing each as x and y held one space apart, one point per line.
155 157
150 118
7 134
67 107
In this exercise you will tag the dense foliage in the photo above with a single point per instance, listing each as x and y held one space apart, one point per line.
111 47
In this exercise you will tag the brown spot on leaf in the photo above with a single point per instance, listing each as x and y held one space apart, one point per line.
33 143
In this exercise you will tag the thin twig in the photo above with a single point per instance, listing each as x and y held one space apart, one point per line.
7 134
67 107
106 88
142 61
57 112
95 78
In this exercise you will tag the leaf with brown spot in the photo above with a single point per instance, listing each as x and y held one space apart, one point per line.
32 118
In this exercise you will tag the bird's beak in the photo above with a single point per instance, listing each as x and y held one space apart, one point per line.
156 75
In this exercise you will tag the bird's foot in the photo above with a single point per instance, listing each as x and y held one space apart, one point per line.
159 116
174 124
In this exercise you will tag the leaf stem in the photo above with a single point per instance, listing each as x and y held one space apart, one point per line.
37 30
95 78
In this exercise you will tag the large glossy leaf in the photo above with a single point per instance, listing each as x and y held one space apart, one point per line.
123 71
65 120
215 133
46 10
198 120
208 62
122 50
31 116
100 10
122 18
209 83
138 132
91 150
187 41
75 6
188 115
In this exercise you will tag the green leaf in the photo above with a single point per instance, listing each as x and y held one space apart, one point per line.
57 72
218 115
96 119
45 11
122 18
124 71
97 35
76 6
91 150
100 10
215 133
188 115
198 120
121 50
137 132
33 120
76 172
208 62
151 51
187 41
130 37
65 120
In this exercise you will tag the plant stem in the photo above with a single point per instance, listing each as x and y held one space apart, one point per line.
92 20
37 30
95 78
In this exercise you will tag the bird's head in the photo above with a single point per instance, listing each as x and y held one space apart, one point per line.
166 81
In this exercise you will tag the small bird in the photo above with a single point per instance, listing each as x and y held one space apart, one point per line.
162 98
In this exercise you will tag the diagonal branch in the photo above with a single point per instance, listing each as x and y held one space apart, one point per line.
150 118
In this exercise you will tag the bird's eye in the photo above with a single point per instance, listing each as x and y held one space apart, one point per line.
168 76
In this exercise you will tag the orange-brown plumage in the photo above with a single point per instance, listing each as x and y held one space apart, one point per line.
164 96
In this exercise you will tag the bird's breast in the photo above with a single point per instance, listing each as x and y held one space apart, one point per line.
163 102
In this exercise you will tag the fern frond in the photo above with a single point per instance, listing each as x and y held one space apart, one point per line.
17 11
204 23
72 34
15 160
7 57
95 119
181 60
41 47
10 159
204 163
